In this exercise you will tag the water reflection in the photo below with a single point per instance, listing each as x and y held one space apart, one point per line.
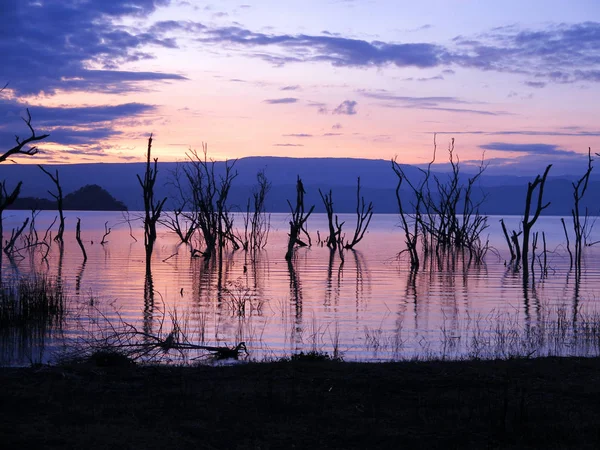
295 295
372 306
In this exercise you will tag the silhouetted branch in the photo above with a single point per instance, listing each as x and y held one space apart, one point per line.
59 203
107 231
78 237
363 218
299 218
152 209
21 143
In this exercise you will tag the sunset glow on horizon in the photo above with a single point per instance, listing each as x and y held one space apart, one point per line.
337 78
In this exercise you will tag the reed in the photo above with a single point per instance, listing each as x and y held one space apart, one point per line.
37 300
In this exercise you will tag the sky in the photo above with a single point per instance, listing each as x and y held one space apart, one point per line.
515 82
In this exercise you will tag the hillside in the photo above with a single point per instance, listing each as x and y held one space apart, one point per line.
89 198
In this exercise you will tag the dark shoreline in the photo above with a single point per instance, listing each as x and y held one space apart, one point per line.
520 403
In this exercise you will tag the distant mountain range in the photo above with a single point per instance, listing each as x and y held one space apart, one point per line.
504 195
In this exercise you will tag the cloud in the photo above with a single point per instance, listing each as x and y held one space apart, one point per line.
75 45
563 53
288 145
347 107
412 101
336 126
290 88
332 134
430 103
535 84
533 149
279 101
427 26
573 132
338 51
321 107
435 78
83 126
298 135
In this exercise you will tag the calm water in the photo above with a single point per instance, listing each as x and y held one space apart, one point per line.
369 308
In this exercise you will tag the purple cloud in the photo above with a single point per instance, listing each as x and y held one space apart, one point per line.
347 107
279 101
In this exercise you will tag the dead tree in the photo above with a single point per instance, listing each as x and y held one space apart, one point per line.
209 199
444 212
79 241
528 222
183 220
152 209
579 228
182 224
107 231
299 218
260 222
333 237
364 213
6 198
508 241
15 234
562 220
411 231
59 203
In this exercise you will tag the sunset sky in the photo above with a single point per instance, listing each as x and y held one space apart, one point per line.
518 80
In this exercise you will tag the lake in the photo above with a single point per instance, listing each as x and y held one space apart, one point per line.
370 308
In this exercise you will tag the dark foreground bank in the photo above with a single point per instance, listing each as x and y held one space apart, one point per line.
540 403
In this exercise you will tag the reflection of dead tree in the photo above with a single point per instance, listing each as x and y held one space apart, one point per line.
59 203
295 291
152 209
148 300
299 218
79 277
